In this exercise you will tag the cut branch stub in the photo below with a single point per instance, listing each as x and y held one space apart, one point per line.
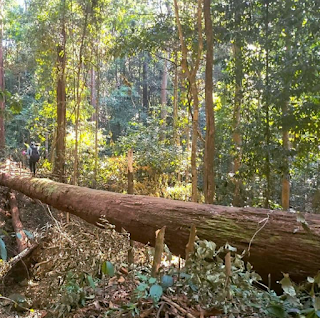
158 250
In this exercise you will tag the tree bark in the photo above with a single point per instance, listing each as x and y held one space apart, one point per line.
278 243
22 240
130 172
209 186
164 84
145 84
267 115
190 71
236 134
61 102
78 98
2 96
285 193
97 107
176 138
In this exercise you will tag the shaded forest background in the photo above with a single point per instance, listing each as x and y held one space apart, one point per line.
90 80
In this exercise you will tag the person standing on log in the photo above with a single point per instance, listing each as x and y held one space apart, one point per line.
33 156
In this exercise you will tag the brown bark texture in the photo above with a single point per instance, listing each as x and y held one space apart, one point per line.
21 238
238 96
61 102
208 182
130 171
2 96
190 69
159 246
278 242
285 193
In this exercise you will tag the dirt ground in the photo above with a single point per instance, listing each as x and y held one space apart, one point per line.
63 252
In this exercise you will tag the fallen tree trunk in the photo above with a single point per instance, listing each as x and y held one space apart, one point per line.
278 242
21 237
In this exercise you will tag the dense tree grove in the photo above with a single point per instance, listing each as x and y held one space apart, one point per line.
219 100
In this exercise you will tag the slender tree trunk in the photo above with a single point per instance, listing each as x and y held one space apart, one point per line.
145 84
46 144
164 84
267 119
78 100
61 101
191 74
209 185
2 87
176 139
285 194
194 141
130 171
93 92
187 133
236 135
97 123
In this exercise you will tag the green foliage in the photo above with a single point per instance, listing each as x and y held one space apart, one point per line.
72 293
107 269
149 149
3 250
148 287
207 272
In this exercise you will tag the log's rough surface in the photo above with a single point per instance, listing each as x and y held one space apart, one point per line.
21 237
282 245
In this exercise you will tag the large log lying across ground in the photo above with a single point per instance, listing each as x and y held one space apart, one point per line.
281 244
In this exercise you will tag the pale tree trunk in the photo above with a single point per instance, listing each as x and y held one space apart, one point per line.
164 84
2 96
190 71
176 139
194 140
61 102
97 123
187 133
46 144
209 185
130 171
93 92
285 194
236 134
78 100
130 191
145 84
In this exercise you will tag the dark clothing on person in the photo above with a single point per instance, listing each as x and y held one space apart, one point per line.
32 165
33 156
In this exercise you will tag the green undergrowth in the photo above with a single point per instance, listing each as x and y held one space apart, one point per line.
201 282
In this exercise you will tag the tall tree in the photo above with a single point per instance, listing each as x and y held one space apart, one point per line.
59 164
209 151
145 83
236 134
285 193
176 138
190 69
79 93
163 98
2 93
267 109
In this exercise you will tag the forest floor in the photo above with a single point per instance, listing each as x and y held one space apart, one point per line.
62 276
76 270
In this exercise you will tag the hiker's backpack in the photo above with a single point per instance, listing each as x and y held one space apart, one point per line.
35 156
